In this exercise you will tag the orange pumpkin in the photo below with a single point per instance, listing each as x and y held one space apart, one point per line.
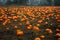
46 22
19 32
7 28
57 16
22 19
29 27
58 34
38 25
15 27
58 38
27 23
33 18
20 24
47 18
49 31
58 20
57 30
40 21
14 17
42 36
36 28
4 24
37 38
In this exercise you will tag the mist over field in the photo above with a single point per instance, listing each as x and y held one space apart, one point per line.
31 2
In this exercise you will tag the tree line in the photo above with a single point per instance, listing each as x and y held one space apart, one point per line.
24 2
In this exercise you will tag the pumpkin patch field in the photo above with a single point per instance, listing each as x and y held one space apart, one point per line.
30 23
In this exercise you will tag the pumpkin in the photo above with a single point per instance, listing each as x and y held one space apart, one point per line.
14 17
33 18
36 28
39 21
15 27
58 20
22 19
29 27
58 38
47 18
7 28
58 34
37 38
42 36
38 25
57 30
19 32
49 31
46 22
27 23
4 24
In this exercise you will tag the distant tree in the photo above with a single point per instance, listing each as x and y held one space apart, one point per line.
22 2
8 2
57 2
